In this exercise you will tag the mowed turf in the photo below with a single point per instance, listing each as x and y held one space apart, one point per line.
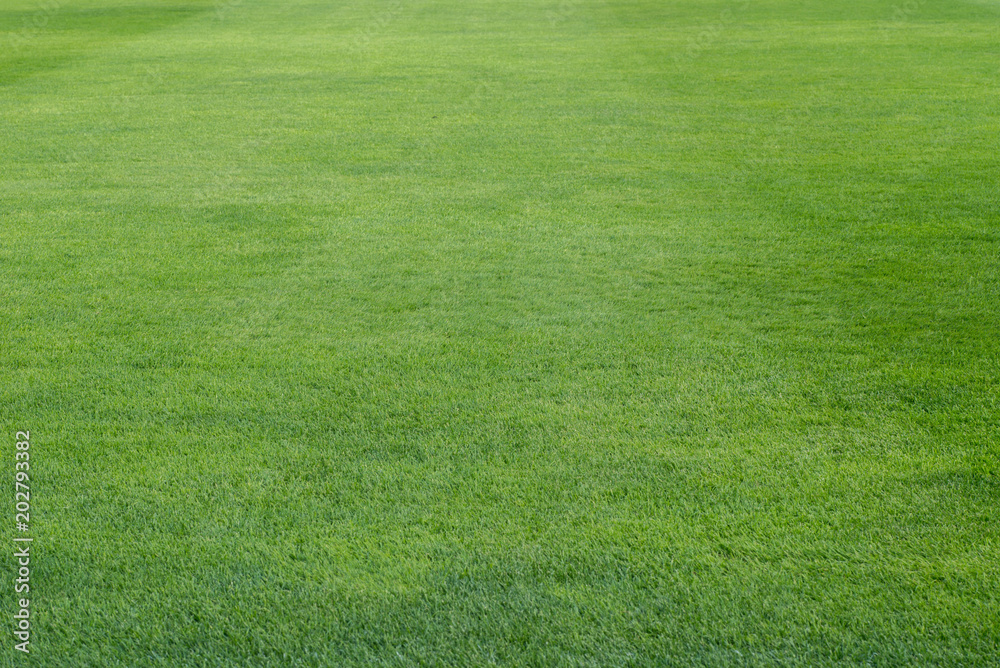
539 332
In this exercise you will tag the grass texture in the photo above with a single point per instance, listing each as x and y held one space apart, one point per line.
503 332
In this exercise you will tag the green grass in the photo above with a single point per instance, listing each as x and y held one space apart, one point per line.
548 332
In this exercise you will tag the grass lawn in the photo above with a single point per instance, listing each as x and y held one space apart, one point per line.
503 332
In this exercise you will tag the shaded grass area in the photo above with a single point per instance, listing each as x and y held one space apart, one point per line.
551 333
53 34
